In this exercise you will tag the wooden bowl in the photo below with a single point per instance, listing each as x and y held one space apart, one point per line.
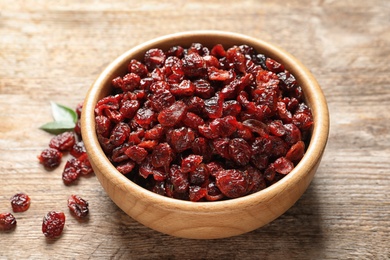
206 220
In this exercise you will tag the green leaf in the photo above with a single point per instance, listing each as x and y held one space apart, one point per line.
58 127
62 113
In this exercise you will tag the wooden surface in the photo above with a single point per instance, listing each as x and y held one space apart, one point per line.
53 50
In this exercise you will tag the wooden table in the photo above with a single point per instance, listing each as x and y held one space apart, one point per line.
53 50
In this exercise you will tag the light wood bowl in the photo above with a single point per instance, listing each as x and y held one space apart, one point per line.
206 220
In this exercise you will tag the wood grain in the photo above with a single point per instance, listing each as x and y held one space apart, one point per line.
54 51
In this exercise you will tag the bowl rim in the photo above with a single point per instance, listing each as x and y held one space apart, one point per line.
313 93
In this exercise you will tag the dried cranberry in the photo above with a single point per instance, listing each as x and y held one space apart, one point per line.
232 183
199 175
78 206
194 65
197 193
162 155
71 171
50 158
136 153
154 58
240 151
120 133
78 149
172 115
181 138
126 167
214 106
283 165
129 108
224 126
53 224
179 179
137 68
20 202
185 88
7 222
296 151
63 142
190 163
85 164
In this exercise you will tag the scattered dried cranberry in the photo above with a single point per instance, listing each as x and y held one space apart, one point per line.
7 222
63 142
53 224
50 158
72 171
78 206
204 124
20 202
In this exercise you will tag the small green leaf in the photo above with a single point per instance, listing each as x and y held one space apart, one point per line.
58 127
62 113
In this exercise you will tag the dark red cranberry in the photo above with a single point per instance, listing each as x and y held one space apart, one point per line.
7 222
232 183
20 202
78 206
72 171
53 224
50 158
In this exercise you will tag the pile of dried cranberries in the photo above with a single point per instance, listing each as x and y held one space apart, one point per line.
204 124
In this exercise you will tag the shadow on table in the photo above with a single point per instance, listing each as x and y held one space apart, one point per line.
296 234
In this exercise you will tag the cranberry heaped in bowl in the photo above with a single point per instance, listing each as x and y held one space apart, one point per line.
205 134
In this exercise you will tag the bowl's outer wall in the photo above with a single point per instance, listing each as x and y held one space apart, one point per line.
205 220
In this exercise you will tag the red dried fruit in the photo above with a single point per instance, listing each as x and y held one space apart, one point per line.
194 65
232 183
199 175
7 222
103 126
192 120
214 106
53 224
78 149
144 117
273 65
137 68
78 206
126 167
156 133
221 146
119 134
129 108
181 139
172 115
72 171
20 202
283 165
190 163
224 126
296 151
50 158
185 88
154 58
240 151
85 165
197 193
63 141
130 82
179 179
136 153
161 98
162 155
202 124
